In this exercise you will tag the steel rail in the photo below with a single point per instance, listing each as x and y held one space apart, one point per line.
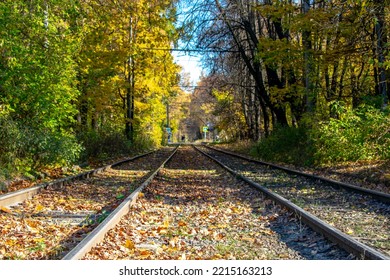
343 240
15 197
97 234
384 197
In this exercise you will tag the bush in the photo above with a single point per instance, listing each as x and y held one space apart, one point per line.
362 134
24 149
47 148
288 145
10 144
103 145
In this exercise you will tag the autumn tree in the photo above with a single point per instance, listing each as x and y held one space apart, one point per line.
132 42
38 79
83 72
297 58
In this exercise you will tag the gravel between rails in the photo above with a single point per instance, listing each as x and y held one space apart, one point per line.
363 218
195 210
55 220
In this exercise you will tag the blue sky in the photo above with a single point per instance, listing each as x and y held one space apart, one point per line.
191 64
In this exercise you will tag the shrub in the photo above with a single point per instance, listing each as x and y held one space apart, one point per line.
286 144
362 134
24 148
47 148
10 143
103 144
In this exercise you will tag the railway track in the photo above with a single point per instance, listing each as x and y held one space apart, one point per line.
47 221
184 207
193 209
358 217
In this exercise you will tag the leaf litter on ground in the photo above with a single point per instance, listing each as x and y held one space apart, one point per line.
194 210
55 220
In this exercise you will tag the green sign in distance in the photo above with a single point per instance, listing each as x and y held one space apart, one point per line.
205 129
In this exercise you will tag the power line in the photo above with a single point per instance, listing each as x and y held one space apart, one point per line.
191 50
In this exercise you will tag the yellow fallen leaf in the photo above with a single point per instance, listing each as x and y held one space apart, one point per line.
266 232
129 244
166 223
248 239
39 240
10 242
5 209
140 195
216 257
39 208
222 225
161 230
31 223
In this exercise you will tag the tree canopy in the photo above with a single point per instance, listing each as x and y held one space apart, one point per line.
285 61
75 70
77 76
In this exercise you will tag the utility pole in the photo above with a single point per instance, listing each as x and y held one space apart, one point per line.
167 127
129 114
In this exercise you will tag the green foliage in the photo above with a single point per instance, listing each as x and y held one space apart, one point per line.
100 145
286 144
38 72
47 148
38 85
230 118
362 134
67 60
26 149
10 145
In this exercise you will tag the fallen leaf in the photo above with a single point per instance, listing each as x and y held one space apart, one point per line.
173 241
130 244
145 254
181 224
217 236
32 224
39 208
248 239
5 209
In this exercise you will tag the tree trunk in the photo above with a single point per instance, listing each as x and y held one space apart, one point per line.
380 37
308 58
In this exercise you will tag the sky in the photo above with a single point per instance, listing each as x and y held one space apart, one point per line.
191 64
189 61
